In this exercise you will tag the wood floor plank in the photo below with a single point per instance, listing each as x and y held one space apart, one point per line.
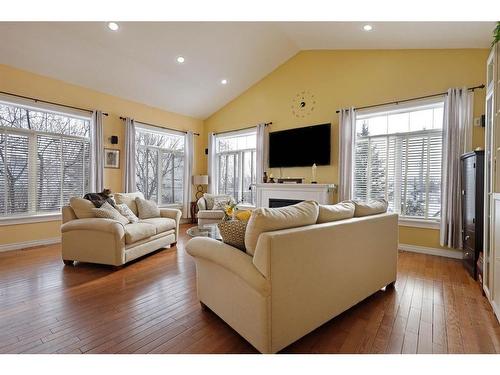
150 306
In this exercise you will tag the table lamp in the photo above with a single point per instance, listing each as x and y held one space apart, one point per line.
200 180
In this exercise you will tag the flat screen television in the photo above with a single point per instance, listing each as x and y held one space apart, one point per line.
301 147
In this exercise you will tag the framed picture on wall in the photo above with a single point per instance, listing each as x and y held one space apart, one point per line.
111 158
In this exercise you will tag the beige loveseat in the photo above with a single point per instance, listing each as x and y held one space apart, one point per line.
106 241
206 214
297 279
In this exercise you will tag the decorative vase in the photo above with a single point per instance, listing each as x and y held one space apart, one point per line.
313 172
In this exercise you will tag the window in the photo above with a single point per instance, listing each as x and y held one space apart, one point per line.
236 163
398 157
44 159
160 165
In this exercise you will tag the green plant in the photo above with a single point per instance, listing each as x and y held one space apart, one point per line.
496 34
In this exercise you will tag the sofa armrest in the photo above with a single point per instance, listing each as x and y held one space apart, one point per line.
230 258
96 224
202 204
172 213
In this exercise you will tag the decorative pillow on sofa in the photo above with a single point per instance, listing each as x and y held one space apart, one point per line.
209 200
374 207
243 215
221 202
270 219
334 212
129 200
124 210
107 211
83 208
147 209
233 233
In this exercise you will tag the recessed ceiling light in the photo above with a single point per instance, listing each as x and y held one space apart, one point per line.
180 59
223 81
367 27
113 26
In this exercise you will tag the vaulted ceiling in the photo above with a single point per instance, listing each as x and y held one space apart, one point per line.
138 61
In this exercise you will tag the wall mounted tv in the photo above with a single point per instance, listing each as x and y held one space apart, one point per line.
301 147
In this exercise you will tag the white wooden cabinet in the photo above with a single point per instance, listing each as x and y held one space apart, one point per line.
491 255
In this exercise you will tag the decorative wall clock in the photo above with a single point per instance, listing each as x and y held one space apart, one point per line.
303 104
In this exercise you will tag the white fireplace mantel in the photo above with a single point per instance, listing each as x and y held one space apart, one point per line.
322 193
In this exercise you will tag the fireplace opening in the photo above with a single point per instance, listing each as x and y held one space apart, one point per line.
275 202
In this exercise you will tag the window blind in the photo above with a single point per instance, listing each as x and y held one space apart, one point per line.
401 161
44 160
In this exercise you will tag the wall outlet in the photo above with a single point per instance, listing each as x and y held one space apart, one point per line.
477 121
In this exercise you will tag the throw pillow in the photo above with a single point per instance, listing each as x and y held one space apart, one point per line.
147 209
127 212
270 219
233 233
209 200
374 207
220 203
334 212
129 200
83 208
107 211
243 215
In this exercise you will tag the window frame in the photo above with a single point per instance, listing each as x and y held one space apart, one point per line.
28 104
390 109
140 126
240 157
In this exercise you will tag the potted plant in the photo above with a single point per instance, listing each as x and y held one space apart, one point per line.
496 34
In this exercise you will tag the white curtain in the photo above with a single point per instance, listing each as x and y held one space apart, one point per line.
97 154
212 165
347 130
262 151
129 184
457 133
188 174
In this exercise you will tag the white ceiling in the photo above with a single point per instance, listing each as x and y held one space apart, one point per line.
138 62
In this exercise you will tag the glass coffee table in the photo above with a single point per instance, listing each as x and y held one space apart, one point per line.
207 230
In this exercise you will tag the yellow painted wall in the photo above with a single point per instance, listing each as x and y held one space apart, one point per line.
341 79
33 85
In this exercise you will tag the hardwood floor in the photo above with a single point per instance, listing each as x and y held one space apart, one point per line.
150 306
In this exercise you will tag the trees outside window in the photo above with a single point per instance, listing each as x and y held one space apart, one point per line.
160 166
236 165
397 156
44 159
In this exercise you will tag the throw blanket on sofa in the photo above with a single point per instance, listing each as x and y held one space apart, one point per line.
98 199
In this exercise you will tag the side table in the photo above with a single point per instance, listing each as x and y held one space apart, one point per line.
194 211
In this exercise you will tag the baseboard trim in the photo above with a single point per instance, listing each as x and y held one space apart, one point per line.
448 253
28 244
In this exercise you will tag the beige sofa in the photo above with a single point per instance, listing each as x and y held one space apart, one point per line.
297 278
106 241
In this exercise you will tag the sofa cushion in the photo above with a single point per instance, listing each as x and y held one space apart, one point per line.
83 208
270 219
107 211
210 199
334 212
147 209
127 212
211 214
233 233
220 202
138 231
129 200
161 224
374 207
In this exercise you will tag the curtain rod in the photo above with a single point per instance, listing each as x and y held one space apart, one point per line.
248 127
47 102
159 127
409 100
